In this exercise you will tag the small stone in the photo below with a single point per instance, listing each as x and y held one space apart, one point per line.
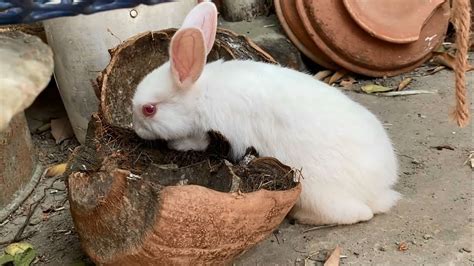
427 236
382 249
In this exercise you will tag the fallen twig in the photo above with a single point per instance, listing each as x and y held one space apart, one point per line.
31 211
470 158
319 227
8 242
435 70
405 93
337 76
276 237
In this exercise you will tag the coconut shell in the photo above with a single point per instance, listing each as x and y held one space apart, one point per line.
181 209
136 202
139 55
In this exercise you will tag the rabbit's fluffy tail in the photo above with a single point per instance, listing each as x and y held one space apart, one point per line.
384 201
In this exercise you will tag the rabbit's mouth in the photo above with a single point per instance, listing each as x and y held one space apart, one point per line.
145 134
143 130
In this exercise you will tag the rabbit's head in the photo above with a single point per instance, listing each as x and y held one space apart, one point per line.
165 104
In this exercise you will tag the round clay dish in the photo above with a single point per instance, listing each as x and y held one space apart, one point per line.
340 38
396 21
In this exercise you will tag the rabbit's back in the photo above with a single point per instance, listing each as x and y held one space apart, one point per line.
303 122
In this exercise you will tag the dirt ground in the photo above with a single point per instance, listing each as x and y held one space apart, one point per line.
433 223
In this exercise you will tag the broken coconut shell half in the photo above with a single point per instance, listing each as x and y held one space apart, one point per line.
148 51
136 202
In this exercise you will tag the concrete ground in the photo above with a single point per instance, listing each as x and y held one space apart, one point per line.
431 225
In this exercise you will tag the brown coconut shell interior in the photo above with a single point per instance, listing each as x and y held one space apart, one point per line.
108 148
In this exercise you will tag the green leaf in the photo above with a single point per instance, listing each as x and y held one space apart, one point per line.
6 258
23 253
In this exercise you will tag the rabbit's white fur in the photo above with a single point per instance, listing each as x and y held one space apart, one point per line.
346 157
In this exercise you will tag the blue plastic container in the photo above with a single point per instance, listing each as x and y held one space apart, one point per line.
27 11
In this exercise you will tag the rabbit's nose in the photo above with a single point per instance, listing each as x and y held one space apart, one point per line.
149 109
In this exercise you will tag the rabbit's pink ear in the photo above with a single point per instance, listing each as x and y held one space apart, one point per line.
204 17
188 56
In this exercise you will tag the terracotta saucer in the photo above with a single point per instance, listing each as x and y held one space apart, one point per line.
337 35
294 29
397 21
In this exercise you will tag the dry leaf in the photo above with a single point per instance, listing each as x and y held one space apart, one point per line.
61 129
371 88
448 60
404 83
435 70
327 79
403 246
56 170
347 83
445 59
334 258
337 76
322 74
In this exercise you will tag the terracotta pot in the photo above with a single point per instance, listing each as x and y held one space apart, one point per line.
362 36
293 26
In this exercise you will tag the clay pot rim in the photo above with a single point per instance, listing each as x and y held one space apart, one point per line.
291 35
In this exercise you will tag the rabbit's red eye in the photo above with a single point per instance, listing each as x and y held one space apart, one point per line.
149 109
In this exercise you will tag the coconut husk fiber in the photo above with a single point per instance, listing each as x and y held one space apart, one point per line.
136 202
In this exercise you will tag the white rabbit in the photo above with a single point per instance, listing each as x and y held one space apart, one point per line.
347 159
